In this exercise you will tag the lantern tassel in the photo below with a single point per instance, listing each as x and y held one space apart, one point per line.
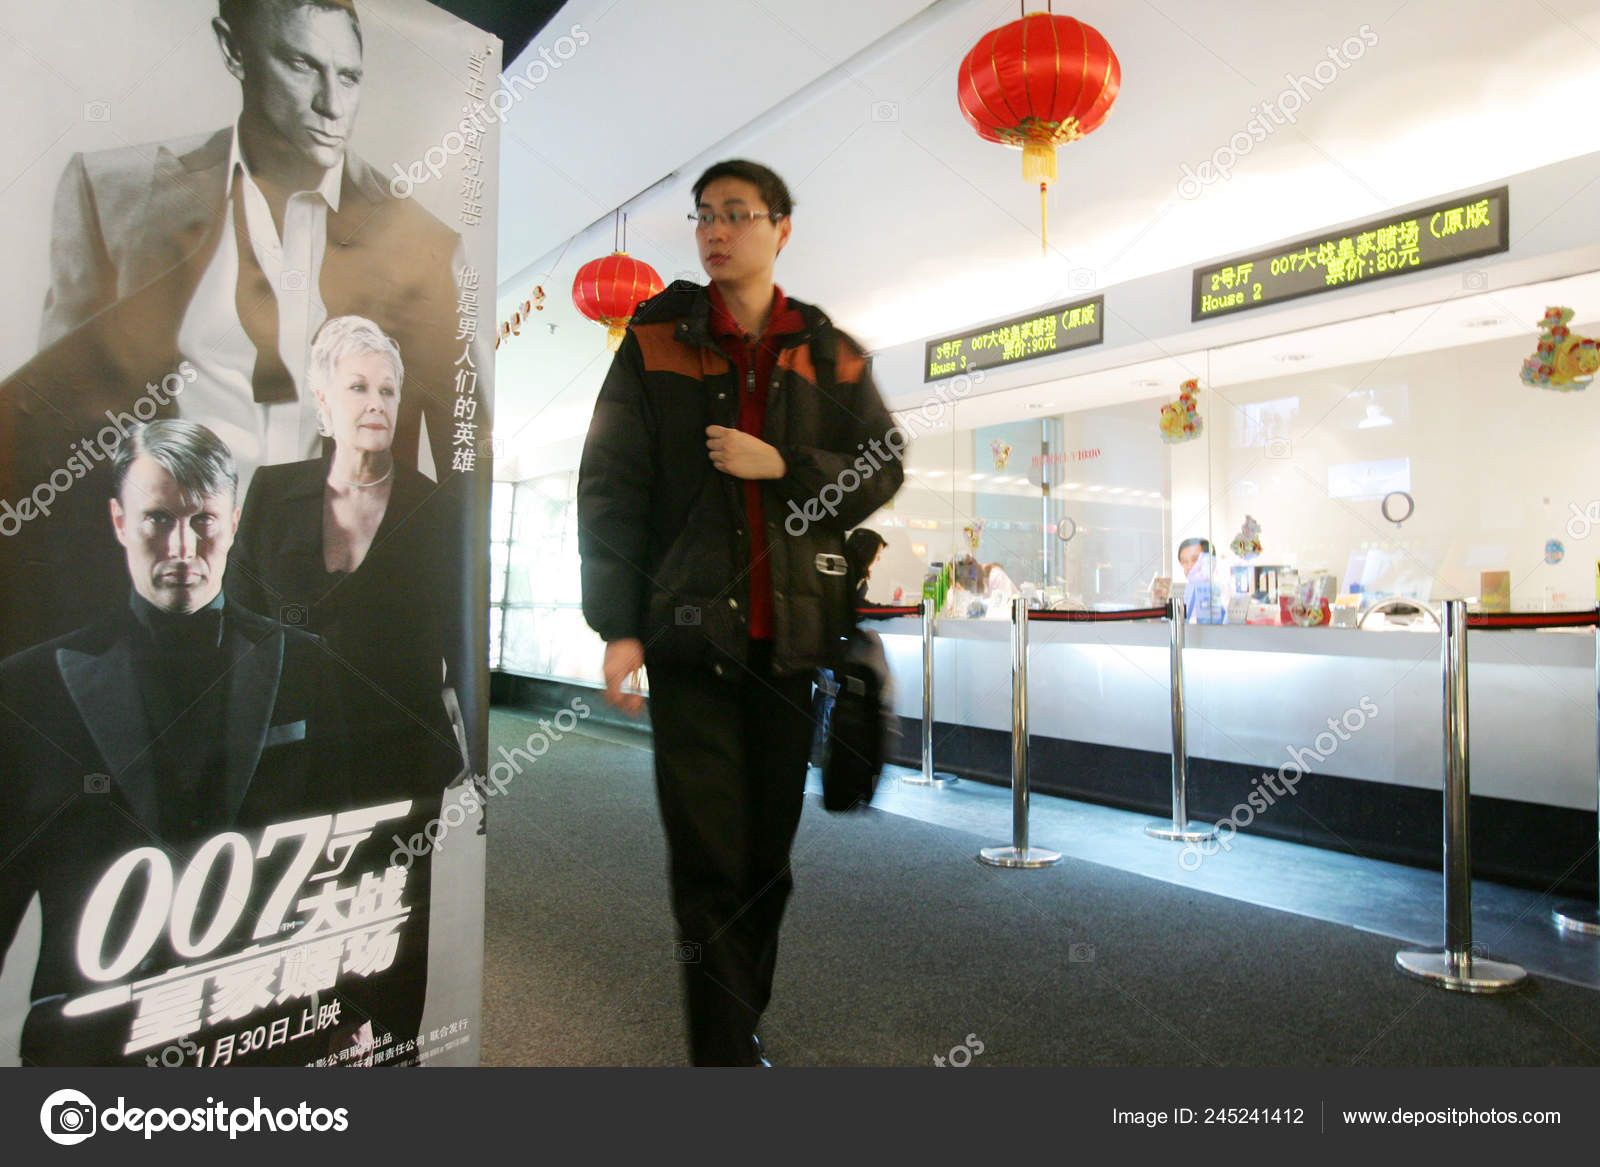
614 336
1039 163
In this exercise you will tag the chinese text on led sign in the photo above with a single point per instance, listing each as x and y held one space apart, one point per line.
1039 334
1414 241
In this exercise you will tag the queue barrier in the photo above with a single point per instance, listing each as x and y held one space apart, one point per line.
928 776
1019 853
1572 917
1460 966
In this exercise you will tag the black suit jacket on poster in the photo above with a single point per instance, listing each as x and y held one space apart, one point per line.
135 230
390 622
78 789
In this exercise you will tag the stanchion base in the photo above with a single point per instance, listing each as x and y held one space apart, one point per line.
1190 832
1469 975
1577 918
940 778
1018 857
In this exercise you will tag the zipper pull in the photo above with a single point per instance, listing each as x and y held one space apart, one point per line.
750 381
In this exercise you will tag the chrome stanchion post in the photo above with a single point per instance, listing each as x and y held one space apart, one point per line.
1585 918
1180 829
1457 967
929 776
1019 854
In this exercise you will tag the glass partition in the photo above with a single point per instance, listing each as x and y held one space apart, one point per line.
536 597
1423 477
1352 474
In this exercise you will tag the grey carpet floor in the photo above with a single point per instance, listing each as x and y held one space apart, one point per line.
899 948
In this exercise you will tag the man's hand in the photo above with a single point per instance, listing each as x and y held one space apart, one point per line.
624 658
743 455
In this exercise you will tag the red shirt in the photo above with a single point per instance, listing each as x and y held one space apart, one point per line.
754 360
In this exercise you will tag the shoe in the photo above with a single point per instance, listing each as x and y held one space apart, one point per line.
761 1054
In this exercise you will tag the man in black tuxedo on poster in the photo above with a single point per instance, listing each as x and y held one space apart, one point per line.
180 717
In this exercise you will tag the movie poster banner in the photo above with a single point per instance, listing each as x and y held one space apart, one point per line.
244 489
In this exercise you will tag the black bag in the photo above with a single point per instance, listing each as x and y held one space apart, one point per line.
858 726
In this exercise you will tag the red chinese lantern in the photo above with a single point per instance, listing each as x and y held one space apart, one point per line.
607 290
1038 83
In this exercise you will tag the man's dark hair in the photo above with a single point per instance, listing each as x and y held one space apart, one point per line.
1203 544
199 461
773 190
236 13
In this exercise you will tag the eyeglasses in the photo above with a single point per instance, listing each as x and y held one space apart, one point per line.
736 220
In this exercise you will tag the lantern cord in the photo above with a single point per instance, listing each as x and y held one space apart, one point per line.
1044 221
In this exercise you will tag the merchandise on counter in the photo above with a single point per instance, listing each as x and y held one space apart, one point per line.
1494 591
1309 604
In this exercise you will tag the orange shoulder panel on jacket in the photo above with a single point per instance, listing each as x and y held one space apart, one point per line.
663 353
850 364
797 360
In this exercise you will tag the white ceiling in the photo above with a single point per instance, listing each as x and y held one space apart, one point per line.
908 224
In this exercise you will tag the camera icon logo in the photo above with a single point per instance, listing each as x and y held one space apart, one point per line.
97 111
68 1117
686 616
1582 523
1081 279
1475 281
294 615
1279 448
885 111
294 281
97 783
1080 953
686 951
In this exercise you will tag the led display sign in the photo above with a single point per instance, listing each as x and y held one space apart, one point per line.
1448 232
1038 334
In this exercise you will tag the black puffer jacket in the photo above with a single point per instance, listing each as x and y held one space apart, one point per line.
666 556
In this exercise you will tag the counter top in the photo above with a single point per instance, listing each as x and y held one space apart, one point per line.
1261 695
1559 647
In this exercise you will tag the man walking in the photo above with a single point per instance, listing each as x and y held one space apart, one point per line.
737 437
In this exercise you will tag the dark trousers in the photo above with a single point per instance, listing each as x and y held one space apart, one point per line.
730 754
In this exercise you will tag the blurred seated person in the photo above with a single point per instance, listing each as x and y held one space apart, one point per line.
863 547
980 589
997 585
1198 564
